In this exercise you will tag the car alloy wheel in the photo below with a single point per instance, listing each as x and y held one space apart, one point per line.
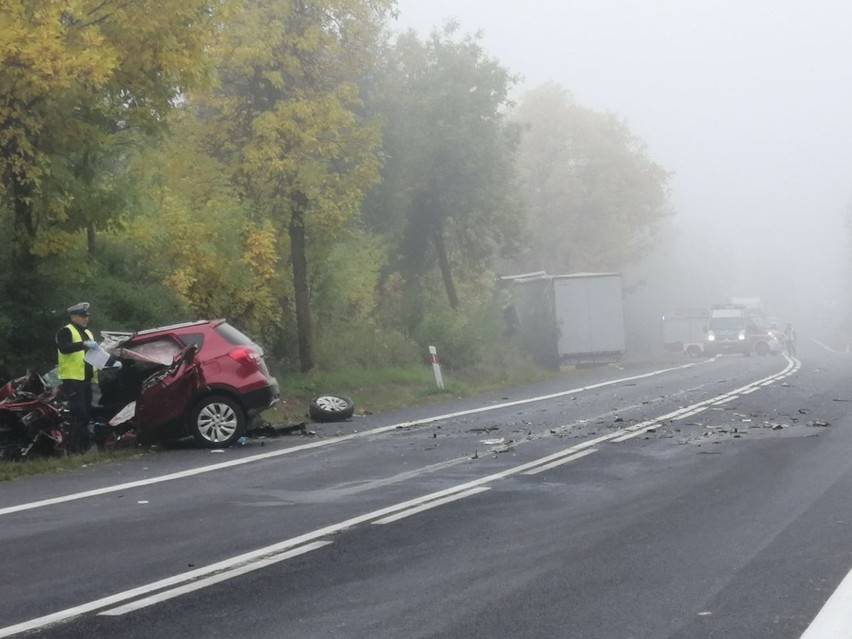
217 421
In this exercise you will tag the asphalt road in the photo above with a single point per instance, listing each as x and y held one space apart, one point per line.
685 499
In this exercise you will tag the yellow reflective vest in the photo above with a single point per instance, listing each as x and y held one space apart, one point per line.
73 365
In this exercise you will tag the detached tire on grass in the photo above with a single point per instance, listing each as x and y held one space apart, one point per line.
331 408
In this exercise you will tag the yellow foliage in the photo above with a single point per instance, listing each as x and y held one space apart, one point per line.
54 241
308 138
206 247
71 71
261 253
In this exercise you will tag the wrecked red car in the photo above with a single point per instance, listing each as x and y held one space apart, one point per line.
204 379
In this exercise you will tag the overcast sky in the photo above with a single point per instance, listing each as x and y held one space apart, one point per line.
748 102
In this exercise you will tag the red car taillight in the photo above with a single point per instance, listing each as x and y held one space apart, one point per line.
245 356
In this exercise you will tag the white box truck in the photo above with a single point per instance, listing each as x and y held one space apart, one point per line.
589 313
567 319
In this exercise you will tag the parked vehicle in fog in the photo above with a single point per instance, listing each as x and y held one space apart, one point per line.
683 331
731 329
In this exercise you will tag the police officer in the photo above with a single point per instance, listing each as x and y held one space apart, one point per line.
790 339
72 342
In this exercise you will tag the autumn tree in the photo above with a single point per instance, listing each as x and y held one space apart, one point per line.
446 198
78 79
288 121
201 240
73 72
592 194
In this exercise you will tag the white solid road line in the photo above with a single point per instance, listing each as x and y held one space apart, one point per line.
327 442
275 549
793 365
209 581
559 462
834 620
828 348
430 505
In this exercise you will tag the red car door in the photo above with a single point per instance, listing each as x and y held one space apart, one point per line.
166 398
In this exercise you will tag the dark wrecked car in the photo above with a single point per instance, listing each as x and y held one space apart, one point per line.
203 379
32 416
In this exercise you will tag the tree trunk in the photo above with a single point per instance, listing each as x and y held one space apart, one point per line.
23 228
301 288
90 239
85 171
446 273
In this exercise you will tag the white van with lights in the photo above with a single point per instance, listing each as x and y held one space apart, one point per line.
730 329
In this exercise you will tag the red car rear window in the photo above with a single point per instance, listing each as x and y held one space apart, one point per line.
232 335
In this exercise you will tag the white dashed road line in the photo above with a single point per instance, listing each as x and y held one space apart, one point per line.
262 557
559 462
318 444
429 505
793 365
234 564
210 581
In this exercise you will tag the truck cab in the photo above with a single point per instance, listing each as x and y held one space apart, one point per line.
732 329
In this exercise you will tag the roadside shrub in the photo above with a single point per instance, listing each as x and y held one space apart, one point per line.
27 326
470 339
364 346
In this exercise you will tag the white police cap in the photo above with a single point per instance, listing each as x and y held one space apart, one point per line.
79 309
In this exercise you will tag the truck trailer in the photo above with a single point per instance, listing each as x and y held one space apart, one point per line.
569 319
590 317
683 331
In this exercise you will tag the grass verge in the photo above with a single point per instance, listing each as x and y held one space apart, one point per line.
373 390
382 389
48 465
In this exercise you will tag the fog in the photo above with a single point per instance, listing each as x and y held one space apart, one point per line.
747 103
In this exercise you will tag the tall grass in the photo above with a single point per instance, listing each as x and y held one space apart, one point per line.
49 465
387 388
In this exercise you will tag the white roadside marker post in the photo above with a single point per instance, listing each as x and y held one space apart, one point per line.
436 367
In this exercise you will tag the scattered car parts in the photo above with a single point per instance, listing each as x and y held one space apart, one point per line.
203 379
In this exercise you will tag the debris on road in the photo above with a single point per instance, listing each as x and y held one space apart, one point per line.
265 429
818 424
